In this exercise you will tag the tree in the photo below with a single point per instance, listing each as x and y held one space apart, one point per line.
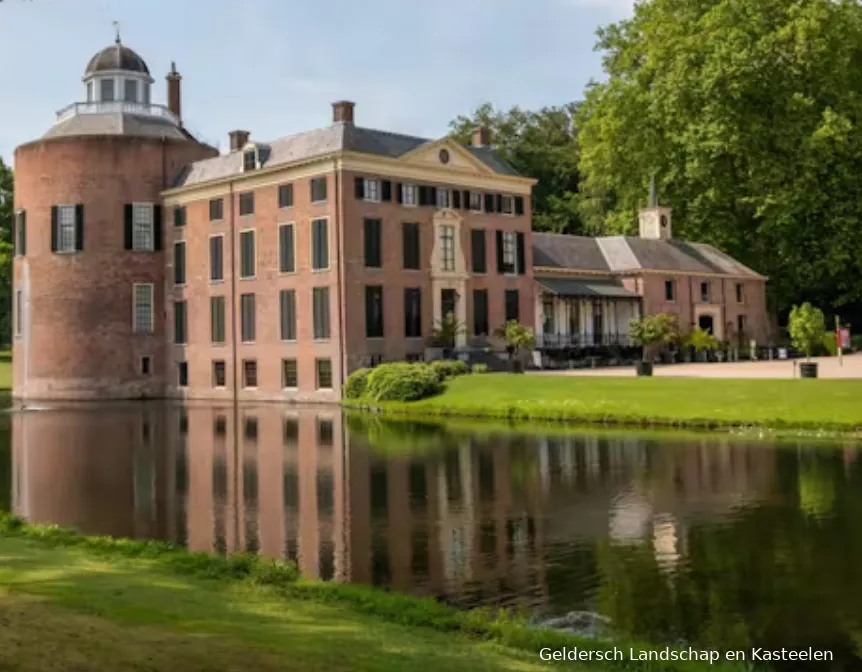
518 338
748 111
542 145
807 328
6 252
701 340
650 331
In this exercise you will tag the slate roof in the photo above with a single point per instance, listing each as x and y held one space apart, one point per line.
586 287
621 254
116 123
322 141
116 57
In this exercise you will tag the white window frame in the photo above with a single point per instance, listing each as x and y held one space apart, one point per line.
371 188
447 247
444 198
278 241
410 195
102 81
209 259
215 384
143 221
138 327
253 152
294 388
507 205
477 203
245 384
328 246
137 86
66 226
253 258
317 385
326 182
510 252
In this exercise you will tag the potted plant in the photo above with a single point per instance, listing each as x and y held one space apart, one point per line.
701 341
652 332
807 327
443 338
519 339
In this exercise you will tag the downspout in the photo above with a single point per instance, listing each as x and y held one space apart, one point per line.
340 270
235 385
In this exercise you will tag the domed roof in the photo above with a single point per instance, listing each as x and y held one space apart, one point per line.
116 57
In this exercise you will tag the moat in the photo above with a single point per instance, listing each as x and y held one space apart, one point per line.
715 541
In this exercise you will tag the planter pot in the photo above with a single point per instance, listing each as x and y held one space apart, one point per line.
643 368
808 370
516 366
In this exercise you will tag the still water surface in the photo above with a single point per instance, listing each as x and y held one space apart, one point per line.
714 541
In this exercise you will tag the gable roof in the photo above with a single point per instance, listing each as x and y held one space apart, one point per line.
322 141
554 250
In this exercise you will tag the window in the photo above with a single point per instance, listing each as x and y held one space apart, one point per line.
669 290
246 254
285 196
183 373
64 232
447 247
373 252
371 190
409 194
286 250
131 90
323 369
510 259
489 202
374 312
216 209
249 159
143 236
247 318
289 376
318 190
512 305
320 244
740 328
180 320
506 206
180 262
106 90
249 373
219 377
519 205
179 216
480 312
477 251
217 319
549 323
740 293
216 258
704 292
19 312
444 198
21 233
320 312
410 245
89 92
287 313
413 312
145 366
143 308
246 204
476 201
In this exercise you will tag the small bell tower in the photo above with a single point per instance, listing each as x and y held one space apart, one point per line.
654 221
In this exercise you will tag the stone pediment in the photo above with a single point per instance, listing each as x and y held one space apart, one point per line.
445 153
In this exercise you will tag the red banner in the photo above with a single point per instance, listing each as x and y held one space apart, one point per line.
842 336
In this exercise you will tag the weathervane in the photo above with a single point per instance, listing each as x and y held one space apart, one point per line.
117 29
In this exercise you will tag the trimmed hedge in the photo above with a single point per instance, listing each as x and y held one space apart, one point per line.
356 383
448 368
402 381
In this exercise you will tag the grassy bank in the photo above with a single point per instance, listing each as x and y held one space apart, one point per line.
819 404
5 372
73 602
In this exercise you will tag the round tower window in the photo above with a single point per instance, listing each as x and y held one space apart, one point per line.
444 156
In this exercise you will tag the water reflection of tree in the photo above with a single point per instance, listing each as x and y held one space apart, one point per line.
774 575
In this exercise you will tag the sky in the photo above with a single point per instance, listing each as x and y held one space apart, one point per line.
274 66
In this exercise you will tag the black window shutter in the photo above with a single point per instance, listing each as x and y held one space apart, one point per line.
522 260
423 195
465 200
386 191
399 192
489 202
23 232
456 199
519 205
157 227
54 232
432 196
500 265
129 220
499 203
79 227
360 188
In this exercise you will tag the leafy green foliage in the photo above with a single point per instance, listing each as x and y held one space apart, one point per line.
650 331
807 328
444 369
701 340
6 252
517 337
357 381
748 112
401 381
447 331
542 145
479 368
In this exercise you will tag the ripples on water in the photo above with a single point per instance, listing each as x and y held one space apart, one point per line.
713 541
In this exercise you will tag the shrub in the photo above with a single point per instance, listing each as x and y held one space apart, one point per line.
806 327
480 368
356 383
448 368
401 382
856 342
830 347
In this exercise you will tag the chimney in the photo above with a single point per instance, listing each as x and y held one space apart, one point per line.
342 112
481 137
174 104
238 140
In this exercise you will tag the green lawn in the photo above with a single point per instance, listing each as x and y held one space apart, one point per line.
5 370
819 403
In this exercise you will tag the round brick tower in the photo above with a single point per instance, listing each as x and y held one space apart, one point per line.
89 270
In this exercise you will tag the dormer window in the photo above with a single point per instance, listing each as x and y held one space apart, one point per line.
249 159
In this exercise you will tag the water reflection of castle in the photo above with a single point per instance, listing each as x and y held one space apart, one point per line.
473 521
